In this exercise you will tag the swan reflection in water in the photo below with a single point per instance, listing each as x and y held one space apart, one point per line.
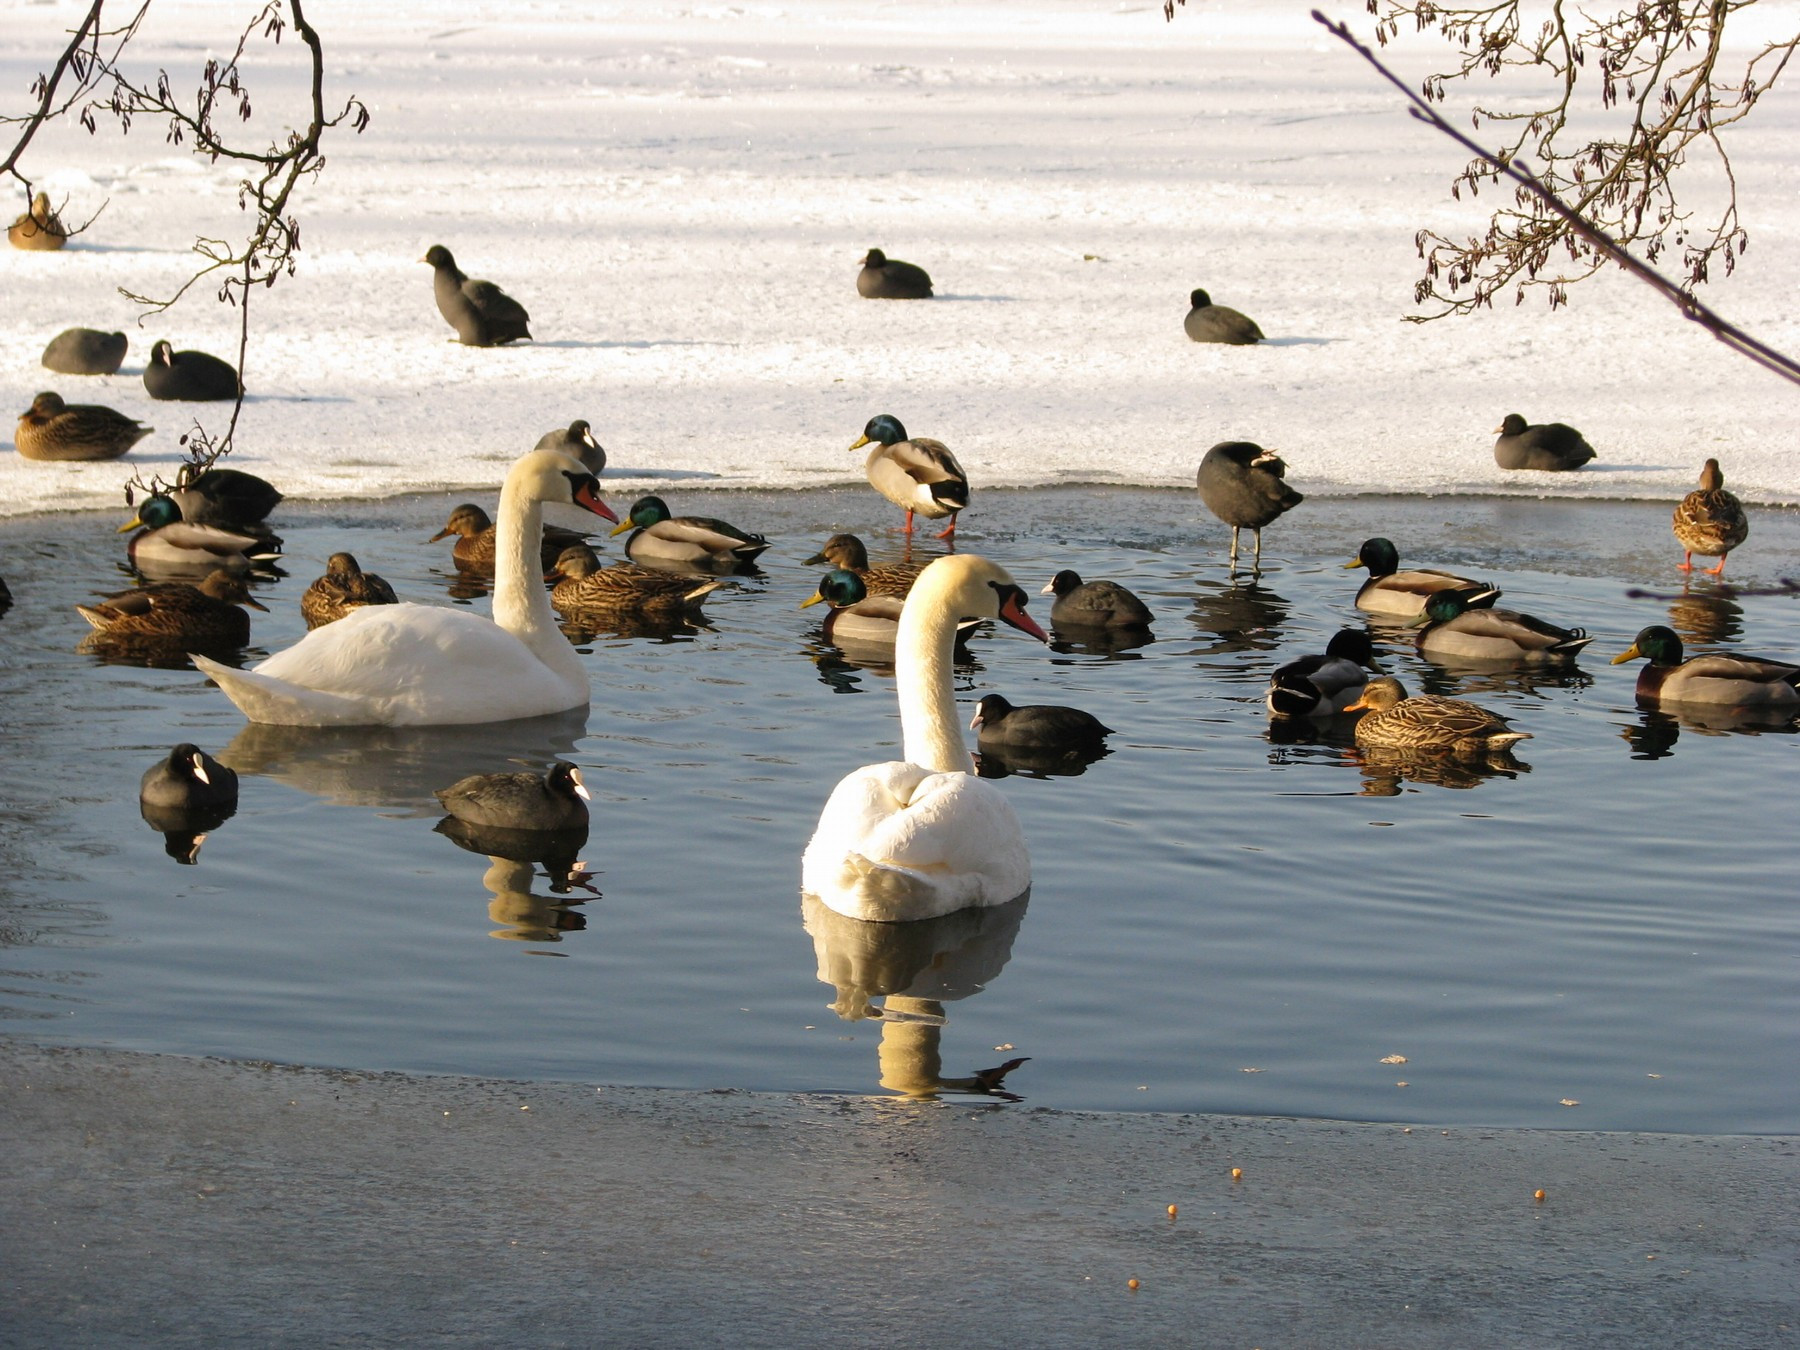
399 768
514 857
915 969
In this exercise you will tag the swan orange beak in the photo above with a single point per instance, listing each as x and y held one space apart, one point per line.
1012 611
587 496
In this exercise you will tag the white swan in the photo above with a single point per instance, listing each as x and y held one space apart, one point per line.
921 837
429 665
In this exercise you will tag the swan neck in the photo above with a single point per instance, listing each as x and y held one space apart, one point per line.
521 603
923 655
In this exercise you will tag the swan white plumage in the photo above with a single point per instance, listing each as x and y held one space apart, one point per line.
411 665
920 837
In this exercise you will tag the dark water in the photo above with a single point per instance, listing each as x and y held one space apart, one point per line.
1219 921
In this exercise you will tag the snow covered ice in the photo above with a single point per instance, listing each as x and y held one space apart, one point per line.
681 195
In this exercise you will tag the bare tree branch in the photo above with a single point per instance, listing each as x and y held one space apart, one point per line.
1659 91
1602 243
94 58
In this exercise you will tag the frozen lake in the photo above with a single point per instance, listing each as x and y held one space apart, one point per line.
1220 921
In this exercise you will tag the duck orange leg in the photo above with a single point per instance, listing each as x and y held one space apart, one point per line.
909 522
949 531
1718 571
1687 561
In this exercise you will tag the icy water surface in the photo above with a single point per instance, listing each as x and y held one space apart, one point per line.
1602 937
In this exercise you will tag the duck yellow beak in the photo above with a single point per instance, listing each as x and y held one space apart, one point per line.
621 527
811 600
133 524
1354 562
1626 655
860 442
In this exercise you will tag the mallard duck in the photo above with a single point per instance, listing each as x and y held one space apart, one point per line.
85 351
40 229
584 586
228 498
1722 680
1094 604
1710 521
189 377
478 539
556 800
846 551
885 278
1324 685
1207 322
53 430
856 617
1453 629
1037 726
1550 446
166 543
204 615
915 474
576 440
344 587
1243 485
1429 722
482 314
1391 591
686 541
859 620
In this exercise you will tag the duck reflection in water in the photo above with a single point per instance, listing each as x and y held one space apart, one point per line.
1243 616
398 768
1453 680
1706 617
915 969
1386 773
1036 761
514 857
1657 729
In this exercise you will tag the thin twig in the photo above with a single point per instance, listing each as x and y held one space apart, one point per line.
1731 335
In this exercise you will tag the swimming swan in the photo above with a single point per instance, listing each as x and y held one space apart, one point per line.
920 837
429 665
